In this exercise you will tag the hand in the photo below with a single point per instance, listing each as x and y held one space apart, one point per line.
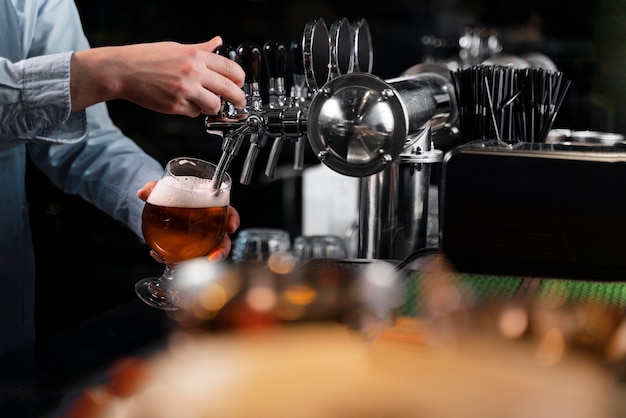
222 251
166 77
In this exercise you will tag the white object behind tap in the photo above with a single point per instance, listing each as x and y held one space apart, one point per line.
330 201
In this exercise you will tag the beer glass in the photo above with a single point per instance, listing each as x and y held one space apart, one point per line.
258 244
184 217
309 247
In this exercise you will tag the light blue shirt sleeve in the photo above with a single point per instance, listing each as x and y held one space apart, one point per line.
36 102
38 39
106 168
83 152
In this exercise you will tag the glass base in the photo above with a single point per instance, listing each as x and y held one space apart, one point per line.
156 296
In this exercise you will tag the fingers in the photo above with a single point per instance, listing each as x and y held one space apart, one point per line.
233 220
232 225
223 65
212 44
222 251
172 78
224 80
145 191
154 255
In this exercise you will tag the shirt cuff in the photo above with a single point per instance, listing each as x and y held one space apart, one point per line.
47 100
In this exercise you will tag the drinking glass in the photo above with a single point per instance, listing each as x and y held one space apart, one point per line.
258 244
184 217
309 247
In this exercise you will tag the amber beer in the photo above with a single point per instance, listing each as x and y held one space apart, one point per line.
184 218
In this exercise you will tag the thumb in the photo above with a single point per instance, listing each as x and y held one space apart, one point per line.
212 44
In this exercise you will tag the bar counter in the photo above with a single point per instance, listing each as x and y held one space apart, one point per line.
46 380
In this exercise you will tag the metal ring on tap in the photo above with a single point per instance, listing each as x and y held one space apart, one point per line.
357 124
341 44
363 51
316 54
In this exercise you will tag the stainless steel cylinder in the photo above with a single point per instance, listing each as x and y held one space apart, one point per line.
393 212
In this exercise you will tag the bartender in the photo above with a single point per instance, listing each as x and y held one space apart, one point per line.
52 93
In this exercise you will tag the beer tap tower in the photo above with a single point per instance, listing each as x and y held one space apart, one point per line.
356 123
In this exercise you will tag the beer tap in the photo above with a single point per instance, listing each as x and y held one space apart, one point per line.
249 57
299 90
299 95
228 51
230 147
275 57
275 54
356 123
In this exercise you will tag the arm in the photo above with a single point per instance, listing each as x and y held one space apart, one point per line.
167 77
96 161
44 84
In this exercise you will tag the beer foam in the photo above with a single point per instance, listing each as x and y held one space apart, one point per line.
188 192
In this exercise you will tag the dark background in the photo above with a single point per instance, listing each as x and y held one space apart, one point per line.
88 263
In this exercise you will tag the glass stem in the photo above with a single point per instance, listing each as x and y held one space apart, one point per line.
166 278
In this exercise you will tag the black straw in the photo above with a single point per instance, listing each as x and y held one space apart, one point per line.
506 103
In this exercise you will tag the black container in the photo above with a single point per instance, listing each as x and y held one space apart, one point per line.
544 210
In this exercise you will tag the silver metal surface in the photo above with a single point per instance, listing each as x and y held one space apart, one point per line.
589 138
449 132
341 47
316 54
394 204
363 51
358 123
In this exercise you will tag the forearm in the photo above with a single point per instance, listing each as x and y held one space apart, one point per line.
93 78
166 77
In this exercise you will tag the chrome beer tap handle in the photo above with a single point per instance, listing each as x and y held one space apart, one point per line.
241 122
275 57
298 162
249 57
275 152
229 117
257 141
299 97
276 64
230 147
299 90
287 124
228 109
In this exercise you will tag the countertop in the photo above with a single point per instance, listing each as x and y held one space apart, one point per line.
43 380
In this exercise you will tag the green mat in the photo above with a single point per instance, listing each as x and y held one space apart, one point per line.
611 294
482 288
